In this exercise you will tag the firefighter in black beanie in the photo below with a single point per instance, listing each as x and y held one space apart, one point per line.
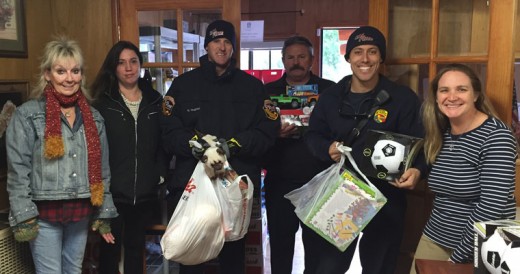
218 99
335 116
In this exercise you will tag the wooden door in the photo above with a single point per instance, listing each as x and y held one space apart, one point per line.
425 34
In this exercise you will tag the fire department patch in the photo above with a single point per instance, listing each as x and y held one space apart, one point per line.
270 110
167 105
380 116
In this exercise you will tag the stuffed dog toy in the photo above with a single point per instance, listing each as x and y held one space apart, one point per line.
213 157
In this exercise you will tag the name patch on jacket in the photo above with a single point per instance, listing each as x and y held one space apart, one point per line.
270 110
380 116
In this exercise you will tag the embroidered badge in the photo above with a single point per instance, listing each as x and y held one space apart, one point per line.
363 38
270 110
380 116
167 105
214 33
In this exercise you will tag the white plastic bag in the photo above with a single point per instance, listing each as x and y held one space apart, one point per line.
235 193
195 234
336 204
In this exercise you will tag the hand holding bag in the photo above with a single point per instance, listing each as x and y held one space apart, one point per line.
195 233
336 204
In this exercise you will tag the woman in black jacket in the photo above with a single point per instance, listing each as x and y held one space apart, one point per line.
131 108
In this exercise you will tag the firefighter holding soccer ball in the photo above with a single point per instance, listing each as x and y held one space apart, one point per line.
336 114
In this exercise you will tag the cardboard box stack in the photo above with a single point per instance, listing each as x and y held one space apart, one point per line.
256 239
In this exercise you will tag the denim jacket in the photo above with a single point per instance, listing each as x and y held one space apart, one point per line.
32 177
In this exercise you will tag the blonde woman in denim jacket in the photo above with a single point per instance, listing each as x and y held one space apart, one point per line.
58 175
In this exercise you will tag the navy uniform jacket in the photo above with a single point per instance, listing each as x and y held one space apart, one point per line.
226 106
399 114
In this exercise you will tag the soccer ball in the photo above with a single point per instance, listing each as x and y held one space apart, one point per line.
511 259
388 156
492 251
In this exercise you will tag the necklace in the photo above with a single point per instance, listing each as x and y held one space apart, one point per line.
455 138
131 103
67 113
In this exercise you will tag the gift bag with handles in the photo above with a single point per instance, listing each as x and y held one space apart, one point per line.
336 203
195 232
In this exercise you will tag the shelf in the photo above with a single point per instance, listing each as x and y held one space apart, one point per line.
168 38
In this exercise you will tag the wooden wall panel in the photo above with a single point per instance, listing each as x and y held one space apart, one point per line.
304 17
285 18
517 37
279 17
89 22
499 82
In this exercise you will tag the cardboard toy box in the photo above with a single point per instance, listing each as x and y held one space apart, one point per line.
296 105
496 242
298 117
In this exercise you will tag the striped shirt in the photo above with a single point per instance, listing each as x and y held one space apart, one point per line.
473 179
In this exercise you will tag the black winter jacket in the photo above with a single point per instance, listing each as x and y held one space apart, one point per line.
136 157
400 114
226 106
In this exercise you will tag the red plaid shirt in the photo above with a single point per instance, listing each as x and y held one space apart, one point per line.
64 210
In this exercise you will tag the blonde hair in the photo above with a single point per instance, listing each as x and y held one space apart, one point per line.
58 49
435 122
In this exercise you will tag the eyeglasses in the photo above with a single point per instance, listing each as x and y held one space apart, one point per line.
348 110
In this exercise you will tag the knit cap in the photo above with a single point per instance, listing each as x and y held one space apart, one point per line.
366 35
218 29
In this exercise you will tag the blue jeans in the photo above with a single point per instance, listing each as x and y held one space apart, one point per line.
59 248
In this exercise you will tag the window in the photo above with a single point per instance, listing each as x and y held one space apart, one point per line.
333 44
261 55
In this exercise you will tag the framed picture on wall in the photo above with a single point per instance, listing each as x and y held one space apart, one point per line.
13 36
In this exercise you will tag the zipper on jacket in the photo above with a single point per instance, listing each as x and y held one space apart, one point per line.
125 109
135 156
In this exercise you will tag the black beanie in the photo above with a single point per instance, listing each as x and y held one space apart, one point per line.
366 35
219 29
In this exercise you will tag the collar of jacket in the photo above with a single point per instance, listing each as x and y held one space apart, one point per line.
346 81
209 68
149 95
311 80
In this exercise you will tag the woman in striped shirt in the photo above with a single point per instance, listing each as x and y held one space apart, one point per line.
473 156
